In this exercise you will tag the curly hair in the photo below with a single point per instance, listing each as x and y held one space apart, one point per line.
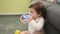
39 7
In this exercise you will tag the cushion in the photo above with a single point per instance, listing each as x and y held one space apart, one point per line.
47 4
58 1
53 15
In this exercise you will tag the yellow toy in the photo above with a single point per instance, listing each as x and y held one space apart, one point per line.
17 32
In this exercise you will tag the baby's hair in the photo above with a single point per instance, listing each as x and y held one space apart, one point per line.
39 7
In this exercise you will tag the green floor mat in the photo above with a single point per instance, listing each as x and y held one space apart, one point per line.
8 24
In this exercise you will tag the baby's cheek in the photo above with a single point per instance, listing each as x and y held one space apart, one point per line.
33 15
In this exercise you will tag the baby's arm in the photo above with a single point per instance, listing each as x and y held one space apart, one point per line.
37 26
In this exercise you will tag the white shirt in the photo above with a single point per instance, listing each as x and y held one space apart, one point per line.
35 25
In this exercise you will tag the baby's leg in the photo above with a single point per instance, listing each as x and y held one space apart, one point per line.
24 32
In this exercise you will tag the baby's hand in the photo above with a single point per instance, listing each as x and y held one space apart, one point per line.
21 18
26 20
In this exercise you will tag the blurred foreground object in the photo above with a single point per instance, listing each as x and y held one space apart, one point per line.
17 32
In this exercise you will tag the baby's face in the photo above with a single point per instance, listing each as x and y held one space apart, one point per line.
33 13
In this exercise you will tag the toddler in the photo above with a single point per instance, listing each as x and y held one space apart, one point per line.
36 19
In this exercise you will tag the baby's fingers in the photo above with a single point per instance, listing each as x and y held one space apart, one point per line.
21 18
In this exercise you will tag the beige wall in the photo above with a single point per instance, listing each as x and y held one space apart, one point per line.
14 6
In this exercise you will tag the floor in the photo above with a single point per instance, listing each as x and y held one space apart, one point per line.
10 23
